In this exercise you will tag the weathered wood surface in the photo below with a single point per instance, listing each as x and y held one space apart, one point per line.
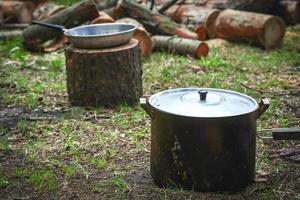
35 2
167 5
260 29
289 11
142 35
35 35
104 77
183 46
260 6
209 24
46 10
192 17
105 4
16 11
189 14
102 18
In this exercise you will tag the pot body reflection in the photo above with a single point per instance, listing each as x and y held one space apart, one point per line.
203 154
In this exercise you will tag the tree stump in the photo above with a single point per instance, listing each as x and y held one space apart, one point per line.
104 77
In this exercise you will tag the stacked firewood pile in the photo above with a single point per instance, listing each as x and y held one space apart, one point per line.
193 22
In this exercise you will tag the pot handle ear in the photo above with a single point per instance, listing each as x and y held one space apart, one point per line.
146 106
262 106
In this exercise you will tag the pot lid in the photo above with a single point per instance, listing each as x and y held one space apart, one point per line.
203 102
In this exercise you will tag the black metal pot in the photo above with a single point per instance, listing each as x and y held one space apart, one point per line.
203 139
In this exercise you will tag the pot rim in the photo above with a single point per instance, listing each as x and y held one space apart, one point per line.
255 108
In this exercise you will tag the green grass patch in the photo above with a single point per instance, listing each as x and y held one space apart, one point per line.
44 180
4 181
99 143
117 186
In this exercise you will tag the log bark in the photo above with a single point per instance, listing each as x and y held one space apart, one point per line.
1 17
263 30
192 16
189 13
105 4
35 35
259 6
13 26
166 6
183 46
201 32
46 10
104 77
209 24
35 2
16 11
153 21
5 35
289 11
144 38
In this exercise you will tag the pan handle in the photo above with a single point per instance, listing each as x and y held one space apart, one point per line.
146 106
263 106
286 133
54 26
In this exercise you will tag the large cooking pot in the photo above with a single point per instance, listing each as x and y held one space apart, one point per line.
202 138
95 36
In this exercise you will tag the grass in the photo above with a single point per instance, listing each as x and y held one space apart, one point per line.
66 2
104 153
116 186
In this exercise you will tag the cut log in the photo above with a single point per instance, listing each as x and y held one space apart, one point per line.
16 11
259 6
183 46
1 17
5 35
35 2
104 77
144 38
264 30
289 11
209 24
13 26
35 35
189 14
46 10
201 32
153 21
166 6
192 16
217 4
105 4
56 44
103 18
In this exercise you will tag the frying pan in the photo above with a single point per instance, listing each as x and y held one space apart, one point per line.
95 36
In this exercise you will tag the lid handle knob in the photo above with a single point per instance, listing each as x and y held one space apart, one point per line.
203 94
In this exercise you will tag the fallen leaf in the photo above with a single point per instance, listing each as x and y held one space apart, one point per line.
263 172
260 179
197 69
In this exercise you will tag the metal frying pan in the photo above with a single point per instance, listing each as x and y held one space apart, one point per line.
96 36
